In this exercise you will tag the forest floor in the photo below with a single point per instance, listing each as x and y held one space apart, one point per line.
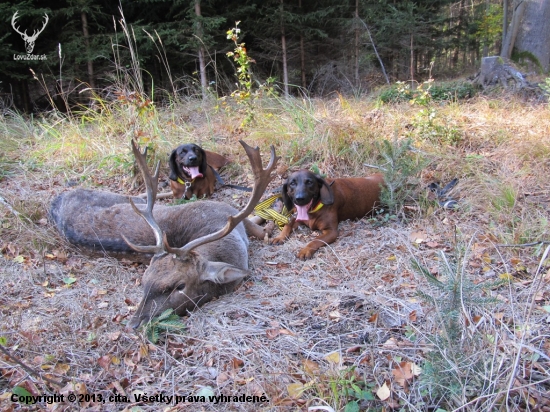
358 327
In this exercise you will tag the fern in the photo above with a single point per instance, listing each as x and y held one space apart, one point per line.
167 321
401 165
455 349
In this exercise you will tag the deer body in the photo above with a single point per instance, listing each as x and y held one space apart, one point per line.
200 249
96 221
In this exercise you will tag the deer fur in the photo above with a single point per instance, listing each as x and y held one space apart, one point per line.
179 279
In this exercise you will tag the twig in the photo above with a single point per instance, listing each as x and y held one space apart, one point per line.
10 207
376 51
542 242
27 368
375 167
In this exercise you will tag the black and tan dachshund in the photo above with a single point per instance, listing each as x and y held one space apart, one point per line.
193 171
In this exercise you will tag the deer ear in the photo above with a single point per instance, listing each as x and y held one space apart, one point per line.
173 166
327 195
219 272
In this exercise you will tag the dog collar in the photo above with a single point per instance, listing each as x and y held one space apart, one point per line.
317 207
184 182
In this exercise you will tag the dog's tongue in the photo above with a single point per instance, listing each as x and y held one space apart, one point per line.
302 211
193 171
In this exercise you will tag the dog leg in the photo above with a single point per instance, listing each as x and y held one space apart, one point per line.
285 233
327 236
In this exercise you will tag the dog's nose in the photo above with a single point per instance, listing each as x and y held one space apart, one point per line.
192 157
300 199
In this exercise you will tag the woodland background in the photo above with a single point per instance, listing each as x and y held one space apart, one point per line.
304 47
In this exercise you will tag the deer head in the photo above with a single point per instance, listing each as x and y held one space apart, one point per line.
184 277
29 40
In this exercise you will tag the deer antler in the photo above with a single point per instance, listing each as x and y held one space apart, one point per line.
151 185
262 177
17 28
35 34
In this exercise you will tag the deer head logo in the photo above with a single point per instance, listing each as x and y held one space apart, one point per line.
29 40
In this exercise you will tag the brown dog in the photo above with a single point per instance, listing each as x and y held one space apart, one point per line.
193 171
321 204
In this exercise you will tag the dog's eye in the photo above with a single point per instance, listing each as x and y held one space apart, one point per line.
292 183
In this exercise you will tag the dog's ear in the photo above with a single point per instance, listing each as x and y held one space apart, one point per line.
326 192
204 163
287 200
173 166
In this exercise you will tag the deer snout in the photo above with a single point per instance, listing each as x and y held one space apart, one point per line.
135 322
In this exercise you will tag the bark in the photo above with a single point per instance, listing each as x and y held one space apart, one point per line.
512 32
461 18
202 62
495 72
302 56
534 32
357 45
90 63
283 46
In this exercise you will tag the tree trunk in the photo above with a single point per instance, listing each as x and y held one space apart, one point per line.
357 44
202 63
534 33
302 55
461 18
90 64
504 19
413 86
512 32
283 46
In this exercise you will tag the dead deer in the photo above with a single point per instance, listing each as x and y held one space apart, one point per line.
200 249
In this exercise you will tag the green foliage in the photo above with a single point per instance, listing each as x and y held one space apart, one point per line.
401 165
245 95
489 26
167 321
183 201
427 92
427 124
521 57
546 88
456 368
348 388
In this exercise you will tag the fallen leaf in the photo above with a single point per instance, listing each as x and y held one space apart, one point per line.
311 367
333 357
272 333
295 390
334 315
418 237
237 363
104 361
383 392
403 373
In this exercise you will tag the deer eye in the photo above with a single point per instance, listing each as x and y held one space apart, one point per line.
180 287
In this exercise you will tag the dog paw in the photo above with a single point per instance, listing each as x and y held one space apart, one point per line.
305 253
277 240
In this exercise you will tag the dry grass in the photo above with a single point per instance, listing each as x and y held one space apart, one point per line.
302 333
